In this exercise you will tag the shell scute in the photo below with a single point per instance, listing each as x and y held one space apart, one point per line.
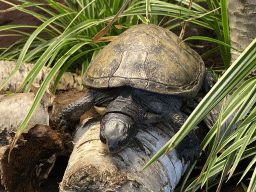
148 57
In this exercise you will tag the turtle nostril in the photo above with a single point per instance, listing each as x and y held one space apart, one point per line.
111 149
114 148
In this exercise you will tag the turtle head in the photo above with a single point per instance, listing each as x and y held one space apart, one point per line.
116 130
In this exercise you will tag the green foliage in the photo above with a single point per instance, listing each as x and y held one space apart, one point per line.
68 41
242 101
67 45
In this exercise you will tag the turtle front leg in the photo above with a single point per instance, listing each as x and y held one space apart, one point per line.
189 148
71 114
169 107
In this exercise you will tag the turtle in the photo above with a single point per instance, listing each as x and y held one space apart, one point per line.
142 76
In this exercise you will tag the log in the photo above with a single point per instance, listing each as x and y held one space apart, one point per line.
92 167
15 107
68 80
242 17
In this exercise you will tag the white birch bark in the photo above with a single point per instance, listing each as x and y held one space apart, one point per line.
68 80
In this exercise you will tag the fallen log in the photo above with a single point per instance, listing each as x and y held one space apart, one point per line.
68 80
92 167
15 107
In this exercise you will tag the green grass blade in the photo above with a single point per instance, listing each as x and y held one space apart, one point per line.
147 8
45 84
236 145
67 65
247 99
27 45
36 50
210 52
250 118
8 50
215 170
252 185
77 15
248 137
36 15
57 6
143 19
211 40
46 55
213 154
8 27
253 161
225 25
240 68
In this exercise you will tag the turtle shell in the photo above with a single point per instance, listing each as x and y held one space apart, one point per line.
147 57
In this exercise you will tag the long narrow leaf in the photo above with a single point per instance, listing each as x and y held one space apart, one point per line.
252 185
46 55
248 138
26 47
253 161
240 68
224 16
43 87
210 39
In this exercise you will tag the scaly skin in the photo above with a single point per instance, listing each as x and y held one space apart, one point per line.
119 124
208 82
71 114
127 107
116 130
169 107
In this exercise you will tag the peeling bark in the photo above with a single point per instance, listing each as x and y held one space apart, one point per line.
92 168
15 107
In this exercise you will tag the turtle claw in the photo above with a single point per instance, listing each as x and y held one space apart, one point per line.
189 148
69 125
63 123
